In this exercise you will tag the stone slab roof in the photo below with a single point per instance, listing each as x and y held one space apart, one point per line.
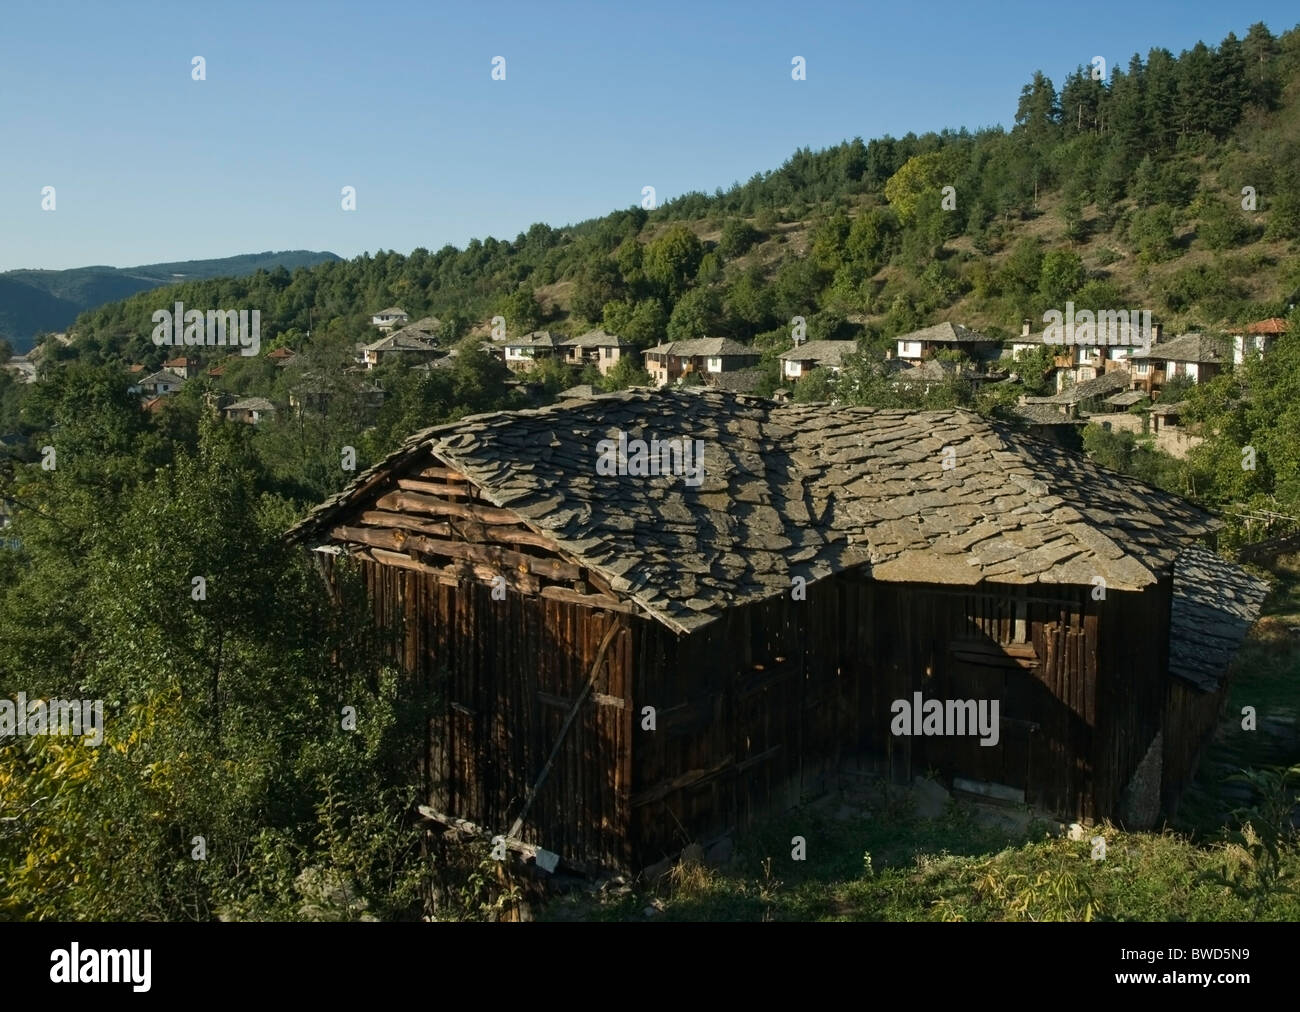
703 347
163 376
821 352
406 339
1099 386
1188 348
535 339
1125 334
1045 414
1215 603
796 490
251 404
738 381
946 333
595 339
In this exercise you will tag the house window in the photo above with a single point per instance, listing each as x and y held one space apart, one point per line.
714 365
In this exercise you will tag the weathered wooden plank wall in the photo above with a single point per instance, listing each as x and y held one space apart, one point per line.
763 705
1133 661
506 673
760 708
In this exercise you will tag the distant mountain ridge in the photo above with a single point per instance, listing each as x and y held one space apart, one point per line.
34 301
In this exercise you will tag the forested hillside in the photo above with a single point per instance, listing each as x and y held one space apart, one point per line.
1139 180
34 302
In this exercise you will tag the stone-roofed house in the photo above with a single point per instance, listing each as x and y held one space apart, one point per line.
705 357
1199 357
771 580
522 353
407 343
1126 399
597 348
932 372
1090 395
387 319
1077 363
430 325
250 410
158 384
809 355
921 344
1045 421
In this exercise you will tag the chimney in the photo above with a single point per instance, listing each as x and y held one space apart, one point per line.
1155 332
1025 324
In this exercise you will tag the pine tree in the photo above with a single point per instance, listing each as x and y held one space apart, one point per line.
1259 52
1195 90
1160 101
1229 89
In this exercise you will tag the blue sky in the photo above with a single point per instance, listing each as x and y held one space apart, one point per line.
396 99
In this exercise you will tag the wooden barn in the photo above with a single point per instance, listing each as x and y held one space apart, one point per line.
772 580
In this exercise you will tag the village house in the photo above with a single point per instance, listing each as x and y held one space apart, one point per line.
1077 363
921 344
932 372
705 358
804 357
430 325
696 656
1257 339
596 348
1199 357
387 319
158 384
1082 398
250 410
407 344
522 353
282 356
184 366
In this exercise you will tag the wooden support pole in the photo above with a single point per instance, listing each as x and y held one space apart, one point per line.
610 633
